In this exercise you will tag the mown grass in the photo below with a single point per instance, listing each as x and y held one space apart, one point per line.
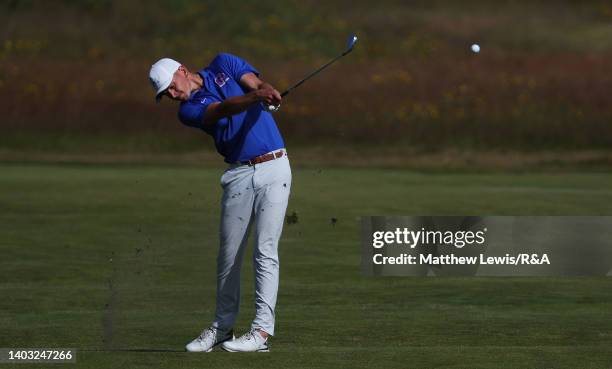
109 258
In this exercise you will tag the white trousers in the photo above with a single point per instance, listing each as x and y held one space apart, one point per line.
252 196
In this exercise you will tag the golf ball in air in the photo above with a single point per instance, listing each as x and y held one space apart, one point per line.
476 48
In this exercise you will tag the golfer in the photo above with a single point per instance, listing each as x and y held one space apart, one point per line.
226 100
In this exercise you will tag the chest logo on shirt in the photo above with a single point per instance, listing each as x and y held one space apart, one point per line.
220 79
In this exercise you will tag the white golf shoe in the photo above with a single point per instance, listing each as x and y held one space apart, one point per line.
209 338
252 341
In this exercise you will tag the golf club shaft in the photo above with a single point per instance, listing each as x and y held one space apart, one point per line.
314 73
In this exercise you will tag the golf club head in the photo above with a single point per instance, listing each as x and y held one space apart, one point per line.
352 40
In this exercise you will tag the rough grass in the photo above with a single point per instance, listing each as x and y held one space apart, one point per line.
541 81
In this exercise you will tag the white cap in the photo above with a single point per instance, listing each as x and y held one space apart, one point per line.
161 74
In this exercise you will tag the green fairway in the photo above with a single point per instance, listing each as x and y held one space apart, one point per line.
115 259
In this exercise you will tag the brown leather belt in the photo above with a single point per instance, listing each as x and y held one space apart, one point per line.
265 157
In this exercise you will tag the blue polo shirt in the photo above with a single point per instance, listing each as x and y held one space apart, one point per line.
238 137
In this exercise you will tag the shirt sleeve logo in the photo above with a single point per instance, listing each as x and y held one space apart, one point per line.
220 79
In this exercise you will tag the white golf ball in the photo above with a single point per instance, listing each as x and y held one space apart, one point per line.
476 48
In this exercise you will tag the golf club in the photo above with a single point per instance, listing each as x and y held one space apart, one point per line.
352 40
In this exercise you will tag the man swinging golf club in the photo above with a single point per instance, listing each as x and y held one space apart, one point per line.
229 101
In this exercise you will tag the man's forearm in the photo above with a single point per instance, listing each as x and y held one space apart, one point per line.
236 104
229 107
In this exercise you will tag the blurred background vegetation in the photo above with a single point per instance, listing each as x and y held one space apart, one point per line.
73 74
